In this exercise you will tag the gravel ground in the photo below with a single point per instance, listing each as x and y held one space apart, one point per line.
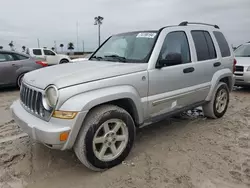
189 152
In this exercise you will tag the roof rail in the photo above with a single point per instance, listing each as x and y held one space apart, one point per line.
185 23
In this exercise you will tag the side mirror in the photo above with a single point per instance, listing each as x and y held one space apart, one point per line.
170 60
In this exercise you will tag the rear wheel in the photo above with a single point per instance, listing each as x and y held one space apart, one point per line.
106 138
64 61
217 107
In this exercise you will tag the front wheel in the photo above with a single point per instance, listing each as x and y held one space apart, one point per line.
106 138
19 80
217 107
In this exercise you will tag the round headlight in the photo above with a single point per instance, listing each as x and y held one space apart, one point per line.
50 97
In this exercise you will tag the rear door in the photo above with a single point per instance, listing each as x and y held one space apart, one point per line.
3 67
8 67
207 60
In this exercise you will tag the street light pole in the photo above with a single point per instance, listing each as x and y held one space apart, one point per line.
99 34
38 42
98 21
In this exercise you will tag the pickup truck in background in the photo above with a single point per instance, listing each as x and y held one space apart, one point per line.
51 57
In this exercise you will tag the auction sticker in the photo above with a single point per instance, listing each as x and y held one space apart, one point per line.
146 35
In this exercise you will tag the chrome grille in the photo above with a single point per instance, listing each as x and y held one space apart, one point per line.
32 101
239 68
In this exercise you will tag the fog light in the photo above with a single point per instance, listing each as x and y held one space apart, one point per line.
64 136
64 114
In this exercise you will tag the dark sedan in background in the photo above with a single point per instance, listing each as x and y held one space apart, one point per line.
14 65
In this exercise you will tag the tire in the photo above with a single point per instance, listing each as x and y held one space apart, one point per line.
63 61
94 127
19 80
211 109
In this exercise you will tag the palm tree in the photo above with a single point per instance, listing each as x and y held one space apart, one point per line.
11 44
98 21
71 46
1 47
24 48
61 46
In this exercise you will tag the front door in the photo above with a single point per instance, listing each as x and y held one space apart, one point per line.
51 57
173 87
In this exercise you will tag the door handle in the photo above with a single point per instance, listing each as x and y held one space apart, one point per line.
188 70
14 65
217 64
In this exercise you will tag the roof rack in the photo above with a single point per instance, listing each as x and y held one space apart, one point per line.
185 23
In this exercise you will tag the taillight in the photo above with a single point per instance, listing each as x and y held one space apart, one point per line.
44 64
234 65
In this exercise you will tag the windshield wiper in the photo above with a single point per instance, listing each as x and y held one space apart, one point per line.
120 58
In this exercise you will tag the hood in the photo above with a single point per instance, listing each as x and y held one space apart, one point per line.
243 61
64 75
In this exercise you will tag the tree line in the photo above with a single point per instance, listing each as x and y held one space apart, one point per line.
70 47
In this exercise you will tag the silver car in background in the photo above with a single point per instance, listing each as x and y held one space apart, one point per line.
242 72
14 65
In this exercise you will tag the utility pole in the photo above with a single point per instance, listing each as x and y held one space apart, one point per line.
83 46
55 46
38 43
77 37
98 21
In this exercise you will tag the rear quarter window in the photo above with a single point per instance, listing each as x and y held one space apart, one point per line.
222 42
37 52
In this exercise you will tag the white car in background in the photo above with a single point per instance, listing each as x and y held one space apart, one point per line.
85 58
51 57
242 72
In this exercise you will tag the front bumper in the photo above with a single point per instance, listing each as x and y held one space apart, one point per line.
242 78
47 133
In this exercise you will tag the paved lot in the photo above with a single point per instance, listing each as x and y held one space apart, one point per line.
188 152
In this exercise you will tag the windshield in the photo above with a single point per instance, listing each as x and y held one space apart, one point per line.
132 47
243 51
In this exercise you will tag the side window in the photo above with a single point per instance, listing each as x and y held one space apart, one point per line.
204 45
37 52
48 52
222 42
210 44
3 58
10 57
6 57
20 57
176 42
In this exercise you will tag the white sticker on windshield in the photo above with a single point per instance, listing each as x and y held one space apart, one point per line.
146 35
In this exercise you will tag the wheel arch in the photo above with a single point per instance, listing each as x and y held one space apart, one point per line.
125 97
63 59
224 75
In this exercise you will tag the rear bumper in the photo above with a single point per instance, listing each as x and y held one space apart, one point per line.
44 132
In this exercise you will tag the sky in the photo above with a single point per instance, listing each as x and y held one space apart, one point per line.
55 21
